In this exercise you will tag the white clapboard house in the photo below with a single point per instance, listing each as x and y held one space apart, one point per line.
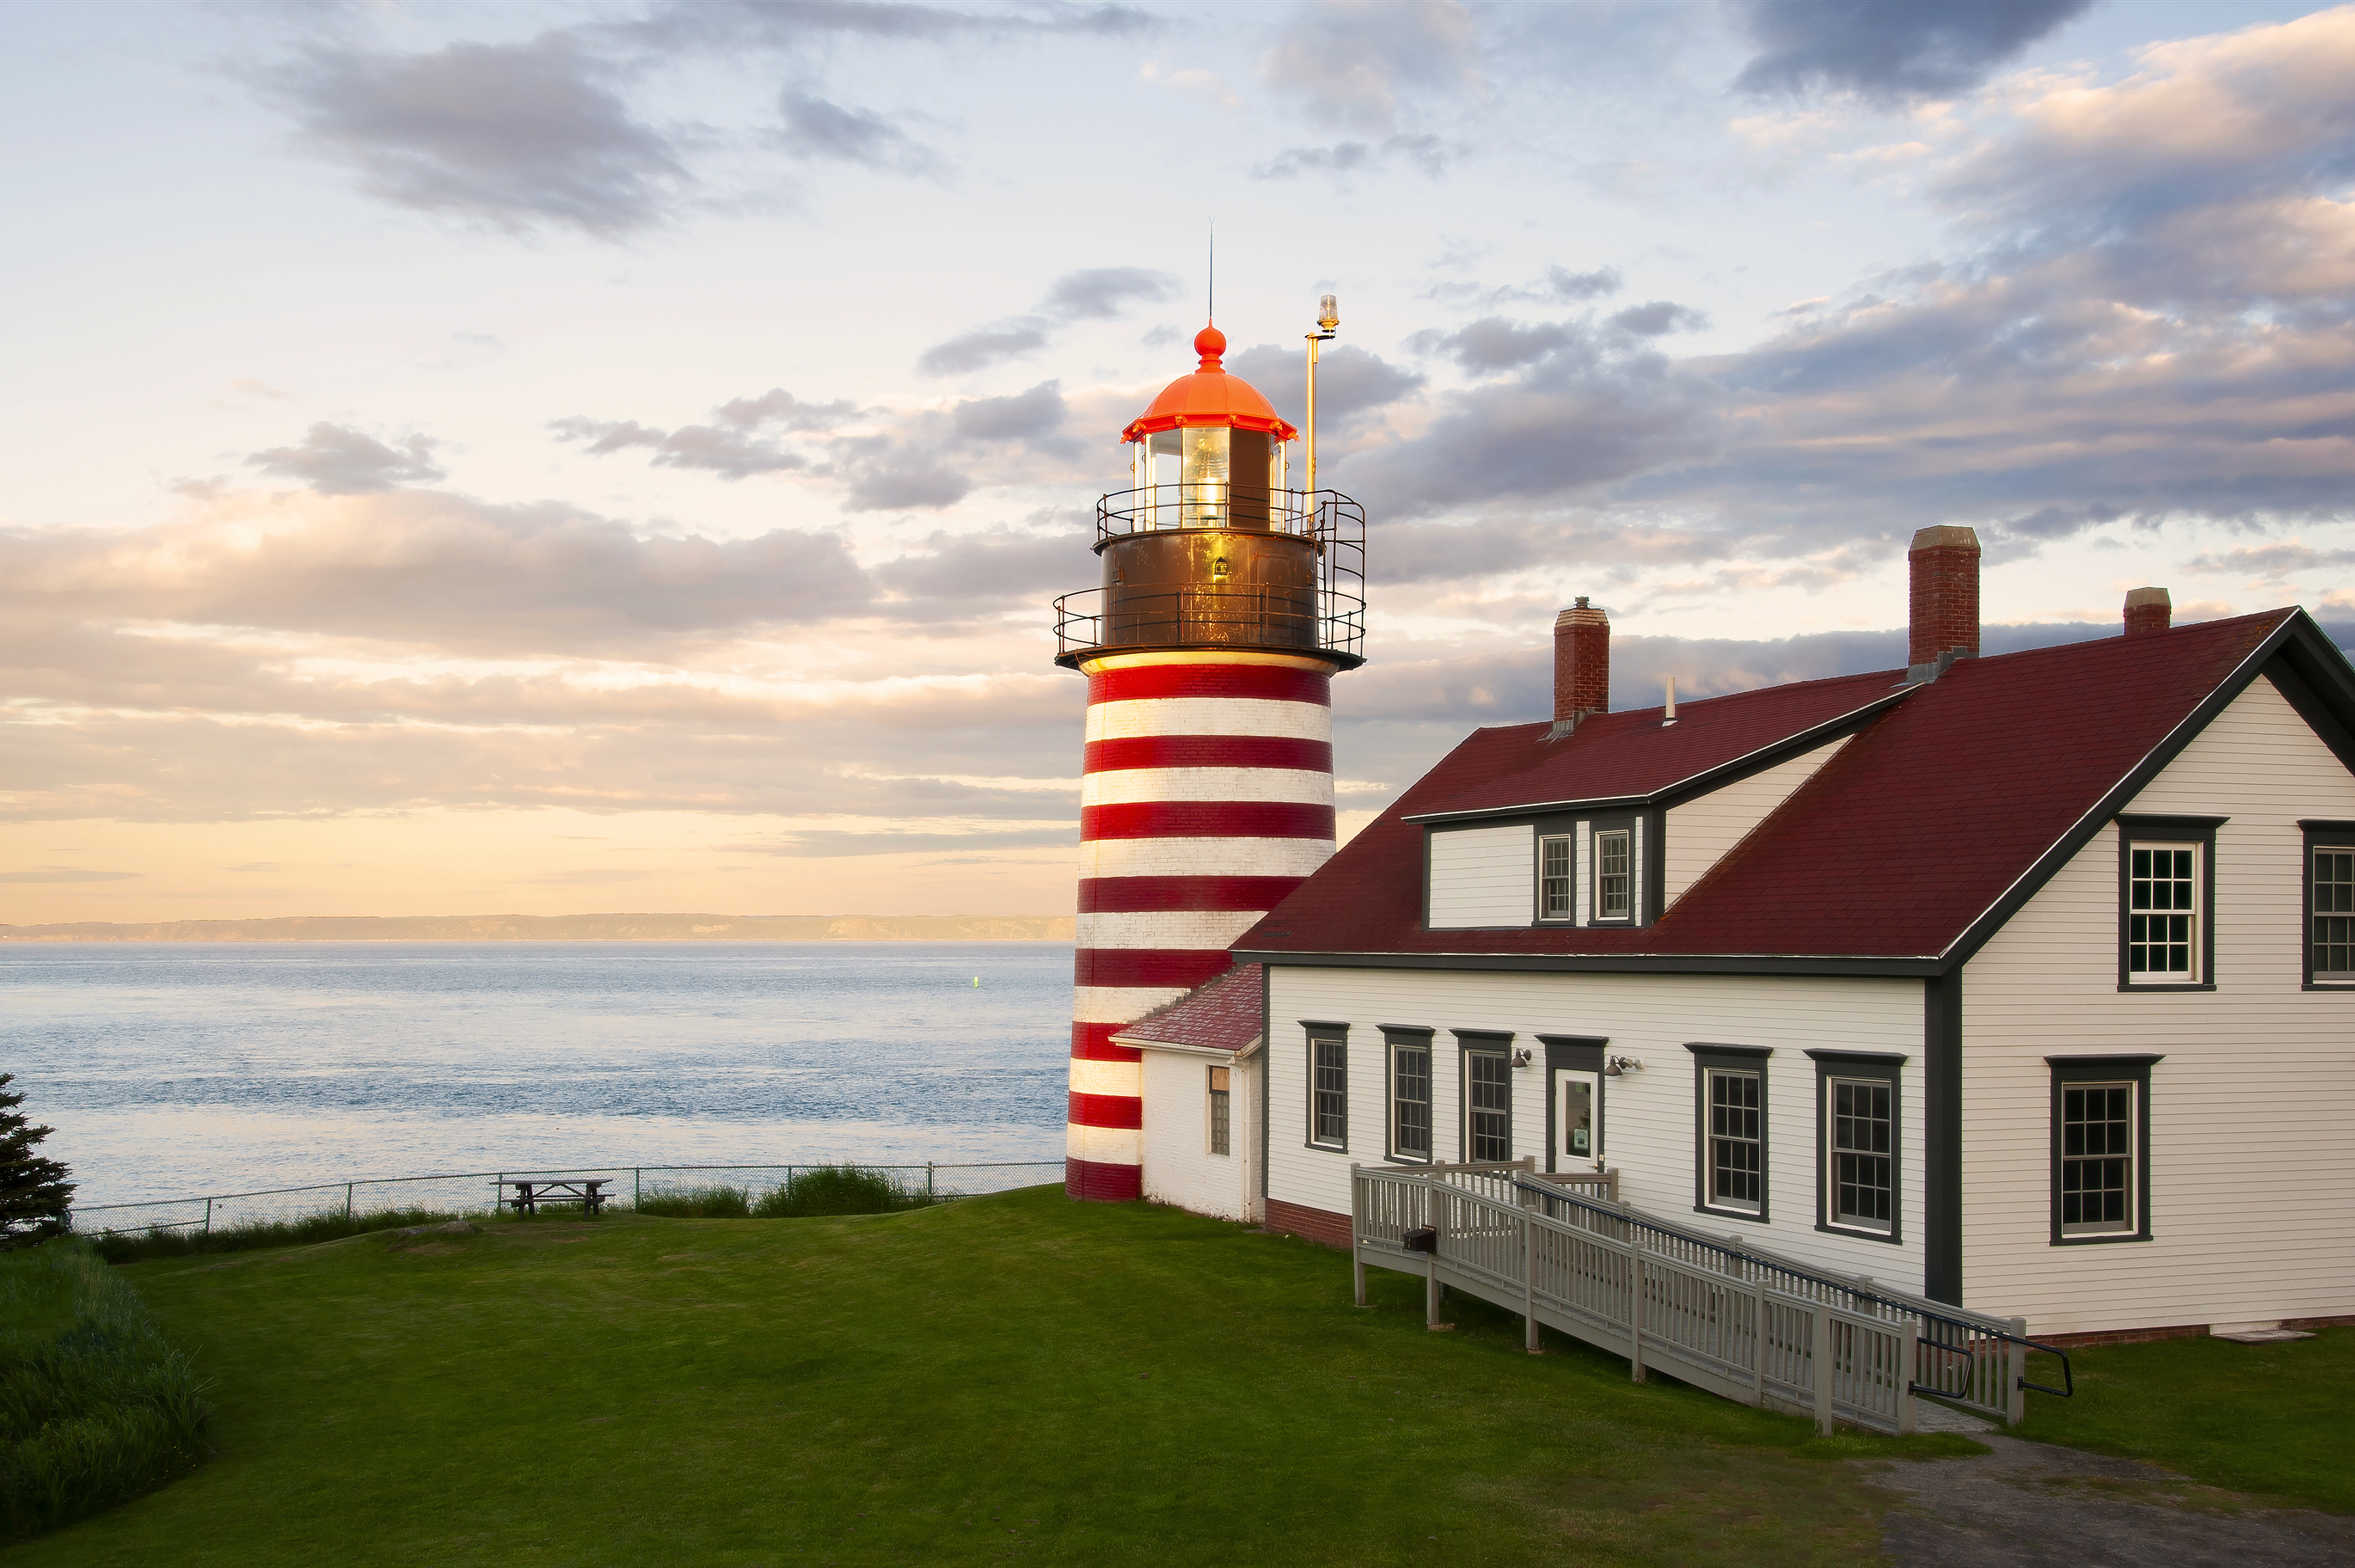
2023 983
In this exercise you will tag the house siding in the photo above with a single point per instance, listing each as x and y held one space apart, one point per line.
1482 877
1179 1168
1700 832
1647 1116
2250 1107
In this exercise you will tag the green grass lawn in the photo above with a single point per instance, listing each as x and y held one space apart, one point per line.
1011 1378
2271 1419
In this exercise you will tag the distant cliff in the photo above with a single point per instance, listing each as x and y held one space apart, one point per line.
571 928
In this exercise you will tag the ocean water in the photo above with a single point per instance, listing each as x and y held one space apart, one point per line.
173 1069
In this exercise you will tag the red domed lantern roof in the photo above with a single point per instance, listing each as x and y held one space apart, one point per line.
1209 396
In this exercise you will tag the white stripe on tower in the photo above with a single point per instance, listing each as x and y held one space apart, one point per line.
1207 794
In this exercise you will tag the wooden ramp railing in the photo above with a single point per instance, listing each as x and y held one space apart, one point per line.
1561 1251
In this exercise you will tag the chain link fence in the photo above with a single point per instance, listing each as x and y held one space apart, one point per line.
478 1191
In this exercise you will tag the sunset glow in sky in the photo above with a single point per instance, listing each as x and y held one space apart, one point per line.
539 459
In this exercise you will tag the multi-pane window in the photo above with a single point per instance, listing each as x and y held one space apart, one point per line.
1614 874
1488 1105
1861 1145
1555 896
1221 1114
1410 1102
1736 1141
2334 913
1328 1093
2162 912
2097 1158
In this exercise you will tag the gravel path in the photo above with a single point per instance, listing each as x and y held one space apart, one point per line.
2028 1505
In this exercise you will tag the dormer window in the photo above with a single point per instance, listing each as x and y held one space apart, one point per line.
1614 878
1557 882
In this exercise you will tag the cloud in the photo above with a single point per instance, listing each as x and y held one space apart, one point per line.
981 348
1891 50
1493 342
425 568
1350 65
1036 416
1091 293
815 128
1427 154
999 567
1657 318
1102 294
1350 381
514 137
2271 565
336 461
794 25
1557 285
740 442
67 874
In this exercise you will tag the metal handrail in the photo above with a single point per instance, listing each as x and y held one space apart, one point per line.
1913 1305
1320 515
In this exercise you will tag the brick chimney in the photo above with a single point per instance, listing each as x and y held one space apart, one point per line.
2149 609
1943 596
1581 664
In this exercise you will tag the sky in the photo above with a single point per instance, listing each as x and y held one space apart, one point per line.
540 459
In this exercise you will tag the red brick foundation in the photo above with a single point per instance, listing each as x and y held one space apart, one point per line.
1315 1224
2180 1331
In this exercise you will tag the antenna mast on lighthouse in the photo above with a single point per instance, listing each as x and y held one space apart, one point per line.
1228 601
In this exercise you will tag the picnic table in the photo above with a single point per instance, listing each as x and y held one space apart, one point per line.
531 1191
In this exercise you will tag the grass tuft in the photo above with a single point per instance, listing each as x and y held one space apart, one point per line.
840 1189
136 1246
96 1406
698 1203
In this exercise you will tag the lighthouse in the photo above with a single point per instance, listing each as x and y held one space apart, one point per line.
1227 601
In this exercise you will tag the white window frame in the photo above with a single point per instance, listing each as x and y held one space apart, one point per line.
1557 893
2195 918
1603 912
1219 1107
1339 1046
1834 1082
1712 1200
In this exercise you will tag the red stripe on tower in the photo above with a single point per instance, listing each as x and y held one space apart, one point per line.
1207 782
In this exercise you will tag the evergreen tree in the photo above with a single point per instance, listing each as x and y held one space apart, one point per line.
34 1191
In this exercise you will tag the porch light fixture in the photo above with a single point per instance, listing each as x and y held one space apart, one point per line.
1618 1065
1521 1057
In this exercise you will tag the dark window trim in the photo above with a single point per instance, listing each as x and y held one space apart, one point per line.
2135 1069
1860 1066
1539 834
1735 1059
2200 830
1414 1037
1316 1029
1655 862
1495 1041
1596 827
1571 1053
2319 835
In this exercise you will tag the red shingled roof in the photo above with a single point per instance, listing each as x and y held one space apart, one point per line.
1221 1014
1617 756
1942 800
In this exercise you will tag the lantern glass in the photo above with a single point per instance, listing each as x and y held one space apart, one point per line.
1202 477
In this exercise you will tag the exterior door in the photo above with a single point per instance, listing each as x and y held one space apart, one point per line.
1577 1120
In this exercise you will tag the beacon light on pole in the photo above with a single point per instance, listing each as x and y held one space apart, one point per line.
1329 318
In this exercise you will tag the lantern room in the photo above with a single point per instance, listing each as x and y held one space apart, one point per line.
1210 546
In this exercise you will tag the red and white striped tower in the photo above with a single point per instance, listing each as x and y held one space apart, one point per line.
1228 601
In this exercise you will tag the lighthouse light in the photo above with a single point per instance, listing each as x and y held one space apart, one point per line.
1328 314
1203 480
